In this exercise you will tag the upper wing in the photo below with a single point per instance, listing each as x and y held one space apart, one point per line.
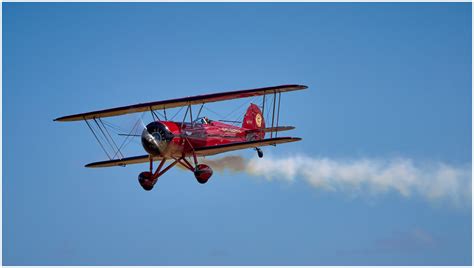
167 104
203 151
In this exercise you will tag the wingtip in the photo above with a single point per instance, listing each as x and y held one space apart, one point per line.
59 119
90 165
67 118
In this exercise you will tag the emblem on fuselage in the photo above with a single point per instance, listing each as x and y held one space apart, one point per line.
258 120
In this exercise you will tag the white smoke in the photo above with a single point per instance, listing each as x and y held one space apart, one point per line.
433 181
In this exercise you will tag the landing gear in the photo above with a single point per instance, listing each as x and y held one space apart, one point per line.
202 173
146 180
259 152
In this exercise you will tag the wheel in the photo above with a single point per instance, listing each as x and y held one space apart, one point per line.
259 152
202 173
202 181
145 180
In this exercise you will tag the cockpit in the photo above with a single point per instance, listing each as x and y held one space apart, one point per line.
202 120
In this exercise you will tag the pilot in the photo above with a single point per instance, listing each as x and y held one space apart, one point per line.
205 120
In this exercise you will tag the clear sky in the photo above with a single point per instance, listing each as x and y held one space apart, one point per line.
385 81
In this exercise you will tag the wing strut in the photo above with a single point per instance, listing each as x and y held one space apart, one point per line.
278 114
200 109
191 114
110 140
153 114
273 130
103 134
273 114
185 114
97 138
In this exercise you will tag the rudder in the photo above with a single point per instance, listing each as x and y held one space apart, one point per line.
253 120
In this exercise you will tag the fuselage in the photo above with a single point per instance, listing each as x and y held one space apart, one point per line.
210 134
172 138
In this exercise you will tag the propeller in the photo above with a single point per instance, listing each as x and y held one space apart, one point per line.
137 129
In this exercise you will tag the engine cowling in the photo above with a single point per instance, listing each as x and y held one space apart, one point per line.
155 138
202 173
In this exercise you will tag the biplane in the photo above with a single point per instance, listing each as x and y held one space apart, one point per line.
182 142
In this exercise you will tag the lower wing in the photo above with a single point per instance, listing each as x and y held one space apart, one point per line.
217 149
202 151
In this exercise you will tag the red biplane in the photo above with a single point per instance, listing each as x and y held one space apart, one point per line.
165 139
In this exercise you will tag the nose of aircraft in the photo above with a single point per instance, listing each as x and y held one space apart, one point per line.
155 138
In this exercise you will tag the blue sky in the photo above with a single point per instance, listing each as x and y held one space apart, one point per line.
386 81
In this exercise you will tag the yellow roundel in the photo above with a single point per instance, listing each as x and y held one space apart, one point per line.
258 120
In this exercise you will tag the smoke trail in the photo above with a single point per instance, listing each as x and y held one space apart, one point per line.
435 181
232 162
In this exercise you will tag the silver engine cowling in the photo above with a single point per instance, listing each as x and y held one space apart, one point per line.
155 138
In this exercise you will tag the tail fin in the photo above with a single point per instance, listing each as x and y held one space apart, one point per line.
253 120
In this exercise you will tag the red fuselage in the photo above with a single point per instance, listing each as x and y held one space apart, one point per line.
175 139
201 135
181 138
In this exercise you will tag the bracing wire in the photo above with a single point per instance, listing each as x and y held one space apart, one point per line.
238 108
177 113
208 109
104 135
269 101
124 143
240 115
112 139
100 143
115 128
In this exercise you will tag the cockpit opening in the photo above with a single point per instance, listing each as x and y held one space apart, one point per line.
202 120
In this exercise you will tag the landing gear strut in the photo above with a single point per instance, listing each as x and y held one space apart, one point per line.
259 152
202 172
147 179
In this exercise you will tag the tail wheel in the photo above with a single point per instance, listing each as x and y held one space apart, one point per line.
202 173
145 180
